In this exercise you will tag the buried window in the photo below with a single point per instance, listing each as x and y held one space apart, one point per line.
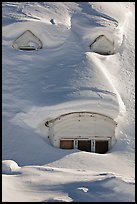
66 144
27 41
102 45
101 146
30 46
84 145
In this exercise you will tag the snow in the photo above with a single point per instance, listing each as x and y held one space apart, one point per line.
45 184
66 76
9 166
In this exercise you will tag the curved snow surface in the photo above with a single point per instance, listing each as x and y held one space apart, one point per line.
48 184
66 76
9 166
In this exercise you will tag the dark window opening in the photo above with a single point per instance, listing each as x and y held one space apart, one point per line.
101 146
84 145
66 144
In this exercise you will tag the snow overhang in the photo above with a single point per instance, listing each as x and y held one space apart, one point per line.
78 114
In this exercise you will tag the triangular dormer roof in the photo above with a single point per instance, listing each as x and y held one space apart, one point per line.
27 41
102 45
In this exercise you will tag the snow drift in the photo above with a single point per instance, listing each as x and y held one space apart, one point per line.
63 77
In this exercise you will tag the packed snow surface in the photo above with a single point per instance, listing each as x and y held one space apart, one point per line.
67 76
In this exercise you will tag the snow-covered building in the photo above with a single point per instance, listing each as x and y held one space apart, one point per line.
87 121
27 41
85 131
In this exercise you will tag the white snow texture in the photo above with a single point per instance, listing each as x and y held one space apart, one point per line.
67 75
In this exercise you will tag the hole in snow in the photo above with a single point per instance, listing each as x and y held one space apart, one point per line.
52 21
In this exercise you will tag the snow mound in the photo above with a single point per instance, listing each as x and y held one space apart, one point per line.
9 166
60 199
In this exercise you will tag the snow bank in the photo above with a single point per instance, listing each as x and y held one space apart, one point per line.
46 184
9 167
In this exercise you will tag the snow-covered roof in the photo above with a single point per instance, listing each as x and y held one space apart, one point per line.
67 77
